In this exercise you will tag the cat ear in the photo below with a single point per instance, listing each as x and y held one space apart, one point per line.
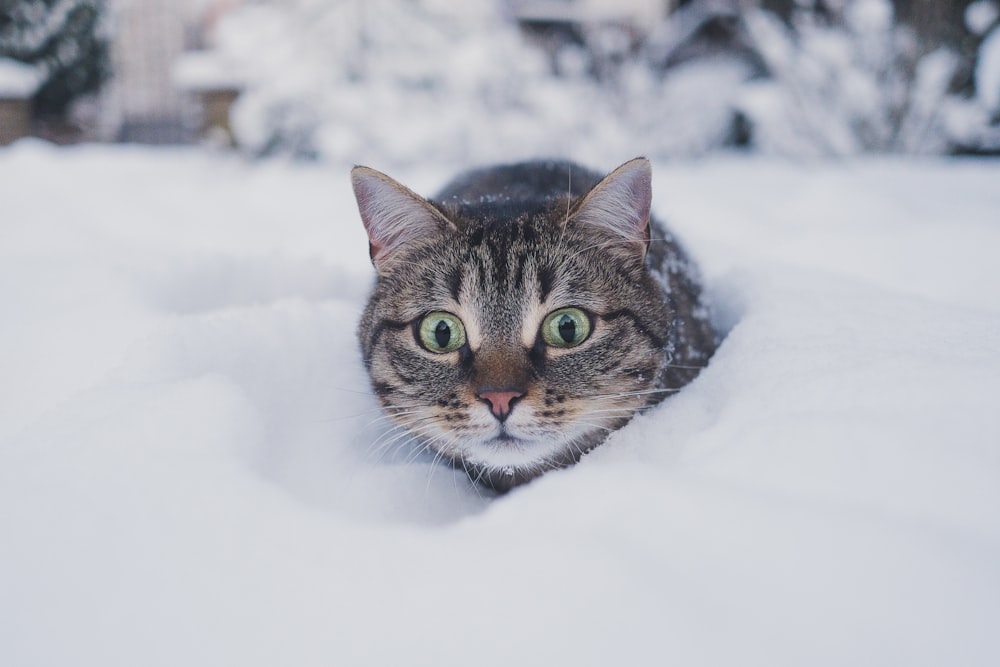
393 214
619 204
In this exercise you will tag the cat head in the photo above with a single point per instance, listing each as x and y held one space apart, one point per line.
512 337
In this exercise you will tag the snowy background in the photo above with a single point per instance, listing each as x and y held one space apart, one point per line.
829 78
193 471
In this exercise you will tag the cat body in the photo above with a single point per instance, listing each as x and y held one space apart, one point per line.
525 312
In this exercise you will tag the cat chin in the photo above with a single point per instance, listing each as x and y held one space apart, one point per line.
502 464
510 451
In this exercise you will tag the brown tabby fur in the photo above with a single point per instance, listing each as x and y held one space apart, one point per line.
500 248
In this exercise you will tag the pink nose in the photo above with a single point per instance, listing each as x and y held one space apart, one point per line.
501 402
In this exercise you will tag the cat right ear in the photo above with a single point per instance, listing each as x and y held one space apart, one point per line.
619 205
393 214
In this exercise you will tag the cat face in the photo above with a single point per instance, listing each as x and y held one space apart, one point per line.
512 344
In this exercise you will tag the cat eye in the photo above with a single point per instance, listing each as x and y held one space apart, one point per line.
566 327
441 332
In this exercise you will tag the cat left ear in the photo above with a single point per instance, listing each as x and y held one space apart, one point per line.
393 214
619 205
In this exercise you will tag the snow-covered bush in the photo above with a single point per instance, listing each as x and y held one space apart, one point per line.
976 123
66 40
407 82
404 81
845 83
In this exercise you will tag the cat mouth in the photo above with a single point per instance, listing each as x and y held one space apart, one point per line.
509 443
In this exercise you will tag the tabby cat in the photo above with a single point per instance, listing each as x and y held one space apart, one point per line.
525 312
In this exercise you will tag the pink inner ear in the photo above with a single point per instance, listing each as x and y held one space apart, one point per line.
620 203
375 250
377 236
392 214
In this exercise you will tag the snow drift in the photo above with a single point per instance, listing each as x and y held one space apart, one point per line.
192 470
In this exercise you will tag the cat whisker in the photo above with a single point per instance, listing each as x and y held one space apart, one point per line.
399 409
449 440
424 446
626 394
392 418
379 449
569 204
354 415
597 426
613 411
363 392
435 462
385 416
404 441
479 477
396 433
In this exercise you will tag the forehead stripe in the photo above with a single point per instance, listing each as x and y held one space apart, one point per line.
454 279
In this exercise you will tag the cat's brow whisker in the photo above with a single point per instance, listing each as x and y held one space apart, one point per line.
569 194
613 242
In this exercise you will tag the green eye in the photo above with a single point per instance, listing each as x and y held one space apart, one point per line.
566 327
442 332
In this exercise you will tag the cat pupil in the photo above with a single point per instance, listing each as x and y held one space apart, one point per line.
567 328
442 334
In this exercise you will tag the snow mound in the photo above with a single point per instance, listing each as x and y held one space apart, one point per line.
192 470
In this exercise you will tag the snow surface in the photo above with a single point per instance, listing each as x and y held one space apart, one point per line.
192 470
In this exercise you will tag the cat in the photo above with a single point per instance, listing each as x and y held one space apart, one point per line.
525 312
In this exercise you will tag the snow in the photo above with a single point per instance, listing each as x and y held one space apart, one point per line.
980 15
205 70
189 466
328 79
18 80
